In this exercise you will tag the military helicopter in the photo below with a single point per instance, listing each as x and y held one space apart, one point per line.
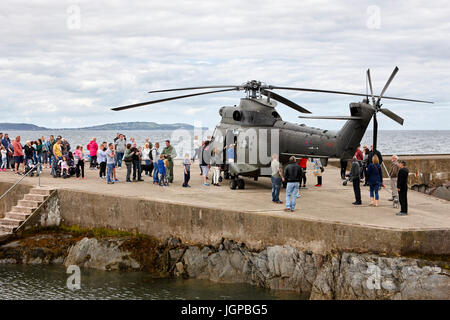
256 129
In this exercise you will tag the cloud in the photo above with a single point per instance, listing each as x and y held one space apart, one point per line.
122 49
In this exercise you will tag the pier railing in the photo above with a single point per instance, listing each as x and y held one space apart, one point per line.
35 167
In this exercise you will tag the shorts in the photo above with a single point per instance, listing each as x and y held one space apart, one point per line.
18 159
205 170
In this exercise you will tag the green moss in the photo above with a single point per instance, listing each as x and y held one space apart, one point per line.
87 232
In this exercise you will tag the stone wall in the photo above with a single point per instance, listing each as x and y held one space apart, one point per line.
205 226
333 276
13 196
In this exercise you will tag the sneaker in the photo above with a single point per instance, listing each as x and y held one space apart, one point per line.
279 202
356 203
298 195
292 210
129 181
318 185
287 209
391 199
401 214
206 184
117 180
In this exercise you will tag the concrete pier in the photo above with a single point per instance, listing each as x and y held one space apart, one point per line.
324 220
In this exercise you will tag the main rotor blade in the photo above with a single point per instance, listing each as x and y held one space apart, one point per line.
345 93
392 115
193 88
370 86
387 84
168 99
284 101
331 117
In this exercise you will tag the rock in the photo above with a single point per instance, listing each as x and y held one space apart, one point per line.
365 276
103 254
442 192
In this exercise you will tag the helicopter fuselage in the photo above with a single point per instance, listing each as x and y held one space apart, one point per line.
257 132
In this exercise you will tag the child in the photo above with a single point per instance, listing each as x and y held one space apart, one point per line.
64 167
187 170
101 159
4 158
79 161
161 170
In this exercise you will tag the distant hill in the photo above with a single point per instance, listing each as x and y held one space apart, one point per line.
120 126
20 127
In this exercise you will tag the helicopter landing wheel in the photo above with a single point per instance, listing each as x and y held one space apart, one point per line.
233 184
241 184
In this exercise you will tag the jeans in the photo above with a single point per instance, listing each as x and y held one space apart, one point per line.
276 188
374 189
102 172
128 164
187 177
147 167
155 174
394 188
137 169
80 168
357 189
109 173
119 156
403 199
291 190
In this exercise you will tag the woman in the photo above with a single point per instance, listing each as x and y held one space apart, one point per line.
93 148
39 148
146 158
375 179
79 161
44 152
101 158
318 169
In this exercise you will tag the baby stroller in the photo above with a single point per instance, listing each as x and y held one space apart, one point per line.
31 168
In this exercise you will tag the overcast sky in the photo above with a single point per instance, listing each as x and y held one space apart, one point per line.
66 63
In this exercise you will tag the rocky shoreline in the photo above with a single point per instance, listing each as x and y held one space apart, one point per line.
341 275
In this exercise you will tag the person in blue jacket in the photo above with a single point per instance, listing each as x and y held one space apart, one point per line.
375 179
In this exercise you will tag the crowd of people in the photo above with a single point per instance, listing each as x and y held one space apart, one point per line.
57 155
366 168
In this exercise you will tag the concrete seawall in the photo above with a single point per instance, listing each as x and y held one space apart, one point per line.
203 225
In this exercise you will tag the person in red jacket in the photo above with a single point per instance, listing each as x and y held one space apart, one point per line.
302 163
93 148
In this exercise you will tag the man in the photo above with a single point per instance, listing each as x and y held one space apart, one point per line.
121 145
276 177
393 173
171 154
292 175
18 154
136 160
373 152
402 188
356 179
303 163
343 164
